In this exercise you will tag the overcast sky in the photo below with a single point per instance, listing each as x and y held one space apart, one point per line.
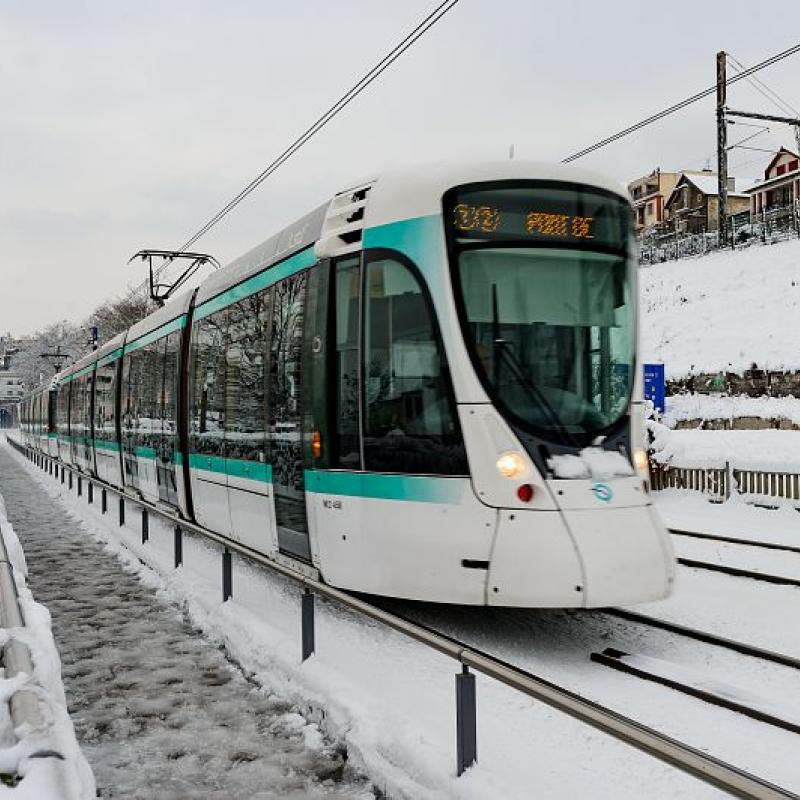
128 125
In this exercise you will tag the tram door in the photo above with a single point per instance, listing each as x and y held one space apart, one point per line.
286 416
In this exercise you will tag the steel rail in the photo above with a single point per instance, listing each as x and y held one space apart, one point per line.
733 540
616 659
703 636
707 768
783 580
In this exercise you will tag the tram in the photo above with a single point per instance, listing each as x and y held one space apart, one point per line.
425 388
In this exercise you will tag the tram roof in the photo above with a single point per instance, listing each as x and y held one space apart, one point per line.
401 193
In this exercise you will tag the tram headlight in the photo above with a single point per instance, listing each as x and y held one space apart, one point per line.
510 465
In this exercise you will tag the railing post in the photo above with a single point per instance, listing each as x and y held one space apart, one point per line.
80 486
103 501
466 726
63 473
121 510
227 575
307 624
90 492
145 526
178 546
70 480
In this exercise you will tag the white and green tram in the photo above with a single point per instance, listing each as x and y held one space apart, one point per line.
425 389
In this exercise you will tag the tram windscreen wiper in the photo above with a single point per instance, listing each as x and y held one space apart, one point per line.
500 349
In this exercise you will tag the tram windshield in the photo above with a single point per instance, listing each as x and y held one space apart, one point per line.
543 276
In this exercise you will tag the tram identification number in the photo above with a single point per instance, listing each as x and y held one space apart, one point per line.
488 219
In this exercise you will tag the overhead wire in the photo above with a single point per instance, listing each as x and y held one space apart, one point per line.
761 87
428 22
371 75
681 104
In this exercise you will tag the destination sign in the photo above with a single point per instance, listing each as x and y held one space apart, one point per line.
581 215
488 219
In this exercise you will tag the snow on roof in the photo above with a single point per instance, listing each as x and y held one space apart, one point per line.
707 184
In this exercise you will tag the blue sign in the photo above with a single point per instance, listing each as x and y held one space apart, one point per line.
655 386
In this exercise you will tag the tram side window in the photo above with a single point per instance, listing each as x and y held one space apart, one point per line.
285 406
104 411
52 397
130 393
245 413
348 277
76 411
207 410
410 424
169 394
62 411
150 418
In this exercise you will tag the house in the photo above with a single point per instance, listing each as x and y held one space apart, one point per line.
779 192
648 194
693 205
11 387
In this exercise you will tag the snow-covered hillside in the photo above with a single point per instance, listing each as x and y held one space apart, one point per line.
723 311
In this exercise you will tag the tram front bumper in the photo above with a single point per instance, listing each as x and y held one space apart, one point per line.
580 558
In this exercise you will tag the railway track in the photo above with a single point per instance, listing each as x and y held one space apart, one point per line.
734 540
726 569
714 771
706 637
675 677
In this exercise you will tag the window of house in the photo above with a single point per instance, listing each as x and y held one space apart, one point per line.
781 169
793 165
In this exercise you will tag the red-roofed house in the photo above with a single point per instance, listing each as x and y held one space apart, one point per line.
779 192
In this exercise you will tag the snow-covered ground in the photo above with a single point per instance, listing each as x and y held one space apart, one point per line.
65 778
158 709
714 407
724 311
759 613
764 450
391 701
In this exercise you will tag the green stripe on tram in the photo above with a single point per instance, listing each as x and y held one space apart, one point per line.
235 467
414 488
175 325
107 359
296 263
104 444
416 238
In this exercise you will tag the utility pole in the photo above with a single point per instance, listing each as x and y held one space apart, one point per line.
722 150
56 358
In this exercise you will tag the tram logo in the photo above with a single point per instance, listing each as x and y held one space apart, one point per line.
602 492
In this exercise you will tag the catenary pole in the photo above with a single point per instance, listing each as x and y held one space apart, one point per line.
722 151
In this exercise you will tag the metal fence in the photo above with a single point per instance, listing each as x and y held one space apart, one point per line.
700 764
719 482
775 225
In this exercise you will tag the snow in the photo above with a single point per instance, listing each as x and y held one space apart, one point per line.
787 710
761 450
684 509
723 312
592 462
714 407
70 778
155 704
391 701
